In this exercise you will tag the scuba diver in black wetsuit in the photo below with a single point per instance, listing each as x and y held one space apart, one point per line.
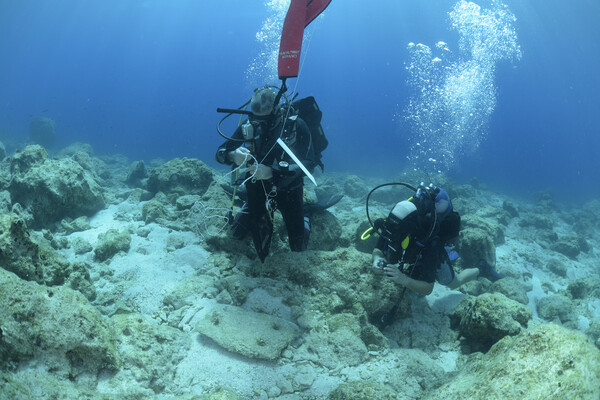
273 179
412 249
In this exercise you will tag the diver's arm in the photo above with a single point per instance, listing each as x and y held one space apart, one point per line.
224 151
421 287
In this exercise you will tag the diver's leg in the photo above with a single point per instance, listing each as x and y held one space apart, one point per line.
241 223
260 222
291 207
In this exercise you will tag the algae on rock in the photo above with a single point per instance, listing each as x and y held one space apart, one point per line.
487 318
56 325
51 190
263 336
149 352
110 243
545 362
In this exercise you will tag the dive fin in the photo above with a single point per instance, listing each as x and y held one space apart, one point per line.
488 271
323 203
261 235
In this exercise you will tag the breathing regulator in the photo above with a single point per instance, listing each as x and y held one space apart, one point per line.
250 128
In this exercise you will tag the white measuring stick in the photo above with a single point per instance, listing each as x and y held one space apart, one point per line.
293 156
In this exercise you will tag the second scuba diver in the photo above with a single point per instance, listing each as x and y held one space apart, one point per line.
413 246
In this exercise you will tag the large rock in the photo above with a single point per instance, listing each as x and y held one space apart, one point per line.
546 362
475 245
52 189
137 172
569 246
345 272
248 333
491 229
150 353
512 288
181 176
58 326
557 307
325 232
35 384
363 390
342 347
18 253
110 243
487 318
30 257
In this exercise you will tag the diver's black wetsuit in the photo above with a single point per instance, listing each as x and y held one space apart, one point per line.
285 190
425 251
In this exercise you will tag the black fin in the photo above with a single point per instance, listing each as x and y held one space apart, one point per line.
323 203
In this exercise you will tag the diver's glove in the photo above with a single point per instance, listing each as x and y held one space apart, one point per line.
240 156
261 172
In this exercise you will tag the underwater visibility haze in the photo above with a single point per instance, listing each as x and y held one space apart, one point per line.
502 91
130 269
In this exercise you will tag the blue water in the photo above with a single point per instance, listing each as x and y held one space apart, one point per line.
143 78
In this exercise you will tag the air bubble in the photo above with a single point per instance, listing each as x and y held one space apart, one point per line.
452 99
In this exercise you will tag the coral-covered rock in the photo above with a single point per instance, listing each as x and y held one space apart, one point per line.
594 331
569 246
340 348
156 210
510 208
485 319
95 166
512 288
137 172
556 306
557 266
475 245
263 336
181 176
57 325
545 362
345 272
31 156
537 221
110 243
363 390
491 229
37 384
355 187
52 189
149 352
325 231
584 287
18 253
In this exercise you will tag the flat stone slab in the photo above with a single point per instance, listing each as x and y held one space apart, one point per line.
248 333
